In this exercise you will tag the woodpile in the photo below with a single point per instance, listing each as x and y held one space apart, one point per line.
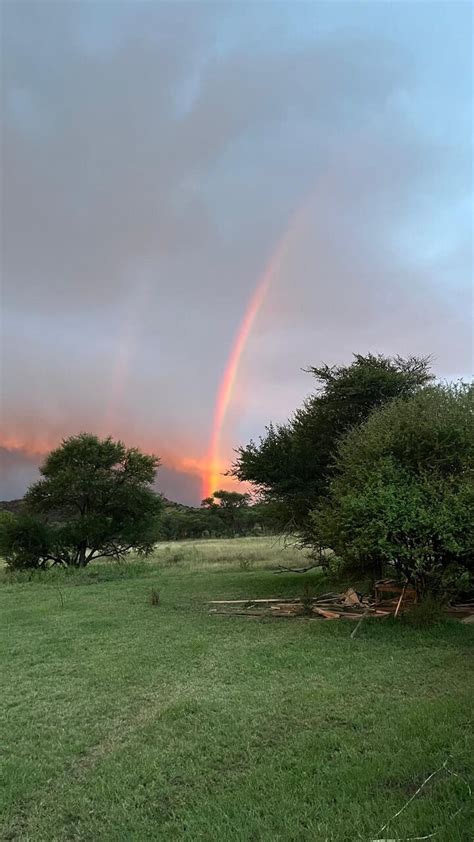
390 598
330 606
463 611
393 596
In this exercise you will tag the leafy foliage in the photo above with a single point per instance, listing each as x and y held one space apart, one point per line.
404 492
25 541
294 462
231 508
94 500
226 514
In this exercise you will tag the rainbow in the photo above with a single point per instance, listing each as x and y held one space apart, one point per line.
213 474
226 387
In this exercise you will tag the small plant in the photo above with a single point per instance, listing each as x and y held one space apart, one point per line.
245 563
307 599
154 597
425 613
172 557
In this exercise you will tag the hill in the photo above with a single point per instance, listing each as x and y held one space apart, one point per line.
15 506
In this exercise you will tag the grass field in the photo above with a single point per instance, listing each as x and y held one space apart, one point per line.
127 721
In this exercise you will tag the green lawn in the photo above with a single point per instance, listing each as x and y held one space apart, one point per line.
127 721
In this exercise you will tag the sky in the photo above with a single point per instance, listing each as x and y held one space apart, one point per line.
200 200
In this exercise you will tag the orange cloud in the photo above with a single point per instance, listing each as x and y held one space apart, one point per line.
38 446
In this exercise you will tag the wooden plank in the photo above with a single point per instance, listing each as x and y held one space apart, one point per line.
252 601
328 615
241 601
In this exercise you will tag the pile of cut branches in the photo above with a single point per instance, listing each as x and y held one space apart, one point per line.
390 599
329 606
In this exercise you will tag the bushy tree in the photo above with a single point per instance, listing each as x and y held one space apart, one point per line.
232 509
94 500
25 541
294 462
403 494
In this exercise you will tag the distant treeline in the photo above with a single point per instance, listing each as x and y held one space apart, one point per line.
226 515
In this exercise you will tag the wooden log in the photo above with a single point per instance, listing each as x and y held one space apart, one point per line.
328 615
350 597
242 601
240 613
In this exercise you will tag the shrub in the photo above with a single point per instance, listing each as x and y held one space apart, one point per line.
154 597
25 542
172 557
425 613
403 494
245 563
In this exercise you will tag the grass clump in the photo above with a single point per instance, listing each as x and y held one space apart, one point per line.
154 597
425 613
101 571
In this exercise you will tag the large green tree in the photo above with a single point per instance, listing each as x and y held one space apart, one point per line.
232 509
294 462
403 492
94 500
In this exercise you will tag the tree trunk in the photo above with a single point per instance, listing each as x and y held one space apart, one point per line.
82 560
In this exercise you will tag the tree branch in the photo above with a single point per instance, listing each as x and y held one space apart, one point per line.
282 569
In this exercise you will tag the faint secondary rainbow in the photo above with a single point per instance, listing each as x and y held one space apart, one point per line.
122 362
213 475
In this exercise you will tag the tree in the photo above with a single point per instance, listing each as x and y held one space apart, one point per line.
211 520
181 524
94 500
294 462
231 507
25 541
403 493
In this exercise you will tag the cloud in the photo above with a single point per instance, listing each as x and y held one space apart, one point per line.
179 485
17 471
153 158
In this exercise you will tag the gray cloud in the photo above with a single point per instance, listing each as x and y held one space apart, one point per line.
17 472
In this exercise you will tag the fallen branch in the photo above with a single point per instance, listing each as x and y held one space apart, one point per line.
444 766
282 569
354 631
412 798
397 609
